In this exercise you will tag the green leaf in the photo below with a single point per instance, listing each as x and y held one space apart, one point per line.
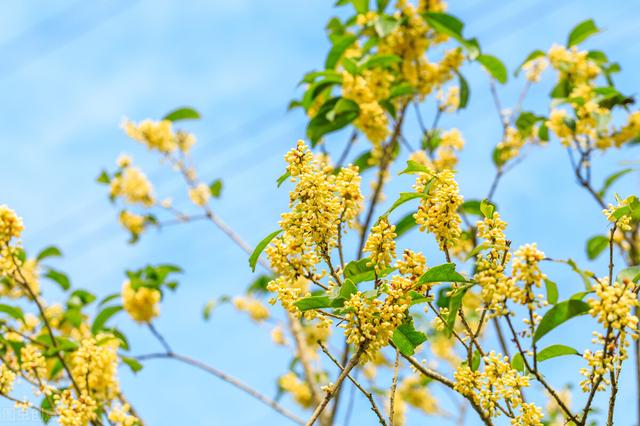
341 44
406 338
103 178
581 32
611 179
401 90
362 161
208 308
471 207
385 25
517 363
102 318
464 91
345 291
59 277
445 24
405 224
455 302
559 314
283 177
442 273
554 351
381 61
313 302
361 6
533 55
494 67
13 311
415 167
552 291
216 188
487 208
631 273
333 115
596 245
132 363
253 259
526 120
51 251
46 408
185 113
561 89
403 198
357 271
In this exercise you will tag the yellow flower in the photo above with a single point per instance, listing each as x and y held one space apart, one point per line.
7 379
533 69
256 310
497 288
75 412
142 304
119 416
438 212
156 135
133 186
10 225
381 245
299 390
33 362
200 194
95 365
132 222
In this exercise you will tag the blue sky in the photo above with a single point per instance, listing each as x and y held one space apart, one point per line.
70 71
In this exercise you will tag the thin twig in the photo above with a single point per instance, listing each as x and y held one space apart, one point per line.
369 395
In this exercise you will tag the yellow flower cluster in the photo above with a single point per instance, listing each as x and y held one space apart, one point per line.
142 304
573 64
451 101
288 291
256 310
512 143
159 135
498 382
33 362
534 68
438 213
371 321
629 131
119 416
414 391
7 379
200 194
381 245
490 272
75 411
451 141
299 390
623 223
366 90
132 222
526 269
10 225
133 186
323 204
28 274
96 364
614 305
557 123
412 264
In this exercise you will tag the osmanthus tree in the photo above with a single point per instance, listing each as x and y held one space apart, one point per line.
467 317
